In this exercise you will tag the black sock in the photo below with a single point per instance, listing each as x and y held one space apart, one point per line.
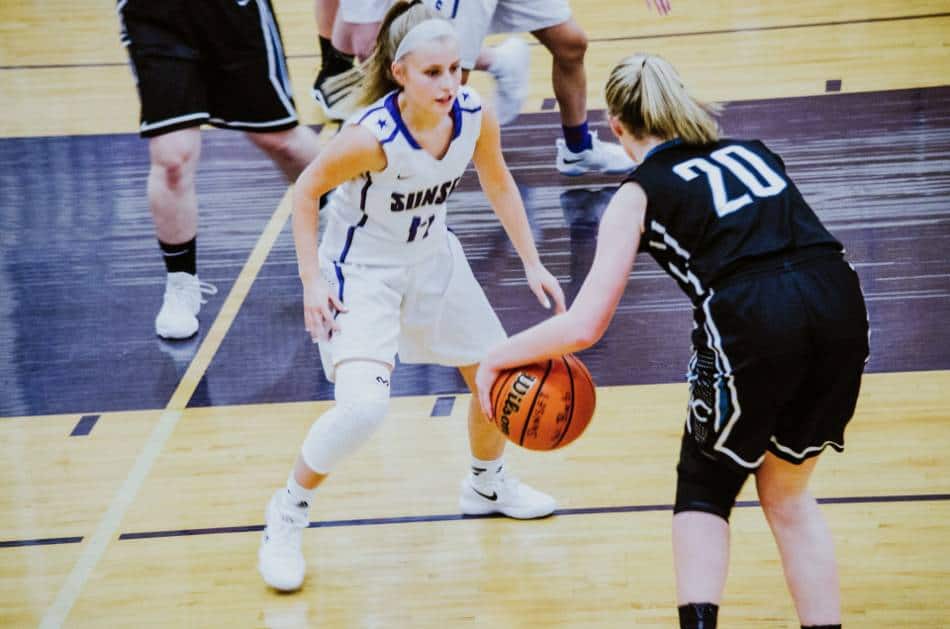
821 626
334 61
698 615
180 258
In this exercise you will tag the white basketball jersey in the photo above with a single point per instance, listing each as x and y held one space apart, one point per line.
397 215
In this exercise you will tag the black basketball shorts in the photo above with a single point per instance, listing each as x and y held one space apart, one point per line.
214 61
777 363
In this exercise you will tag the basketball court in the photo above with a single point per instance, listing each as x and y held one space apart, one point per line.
135 471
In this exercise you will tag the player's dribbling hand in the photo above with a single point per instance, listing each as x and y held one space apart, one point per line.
319 306
542 284
484 379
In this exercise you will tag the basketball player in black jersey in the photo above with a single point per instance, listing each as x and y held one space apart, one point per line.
780 337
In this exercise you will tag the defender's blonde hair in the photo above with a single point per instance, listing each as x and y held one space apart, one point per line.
399 20
646 94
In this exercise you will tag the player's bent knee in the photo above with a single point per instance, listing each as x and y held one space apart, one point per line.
571 46
175 155
704 484
362 401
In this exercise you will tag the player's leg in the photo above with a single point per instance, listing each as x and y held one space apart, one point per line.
488 488
354 35
706 492
362 399
485 441
336 64
359 361
174 104
730 417
448 320
173 203
701 561
803 538
172 199
567 43
356 38
291 150
325 13
815 418
580 151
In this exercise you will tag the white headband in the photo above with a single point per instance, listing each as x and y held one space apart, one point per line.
422 32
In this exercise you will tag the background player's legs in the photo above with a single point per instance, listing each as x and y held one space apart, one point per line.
336 65
325 13
488 489
700 556
291 150
338 85
173 203
580 151
803 538
171 184
355 39
567 43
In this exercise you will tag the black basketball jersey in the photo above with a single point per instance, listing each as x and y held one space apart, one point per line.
713 208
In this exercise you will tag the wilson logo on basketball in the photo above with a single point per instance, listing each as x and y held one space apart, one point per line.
519 389
544 405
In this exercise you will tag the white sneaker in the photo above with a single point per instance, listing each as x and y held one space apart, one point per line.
505 494
337 95
510 70
280 558
601 157
178 317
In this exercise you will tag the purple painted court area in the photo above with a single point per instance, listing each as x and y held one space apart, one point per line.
81 278
875 166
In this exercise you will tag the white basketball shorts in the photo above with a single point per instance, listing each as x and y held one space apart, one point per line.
364 11
476 19
431 312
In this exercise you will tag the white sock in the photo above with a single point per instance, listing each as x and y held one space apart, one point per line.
484 472
297 496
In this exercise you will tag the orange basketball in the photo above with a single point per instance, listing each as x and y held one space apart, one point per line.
546 405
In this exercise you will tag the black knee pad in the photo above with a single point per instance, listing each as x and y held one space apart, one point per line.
704 483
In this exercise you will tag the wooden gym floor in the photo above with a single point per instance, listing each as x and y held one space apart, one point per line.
134 472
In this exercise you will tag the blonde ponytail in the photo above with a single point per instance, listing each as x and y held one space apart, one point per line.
646 94
399 20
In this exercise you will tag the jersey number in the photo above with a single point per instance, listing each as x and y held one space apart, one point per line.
416 224
773 182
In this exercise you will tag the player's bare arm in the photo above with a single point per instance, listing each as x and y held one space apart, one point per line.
499 186
590 314
352 152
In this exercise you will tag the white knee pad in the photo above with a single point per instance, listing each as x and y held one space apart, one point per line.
362 399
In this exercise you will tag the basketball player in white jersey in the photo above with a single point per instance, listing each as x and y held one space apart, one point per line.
389 277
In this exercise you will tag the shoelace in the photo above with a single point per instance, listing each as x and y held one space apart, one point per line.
286 534
206 288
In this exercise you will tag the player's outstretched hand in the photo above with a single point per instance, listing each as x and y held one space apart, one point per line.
319 306
542 284
662 6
